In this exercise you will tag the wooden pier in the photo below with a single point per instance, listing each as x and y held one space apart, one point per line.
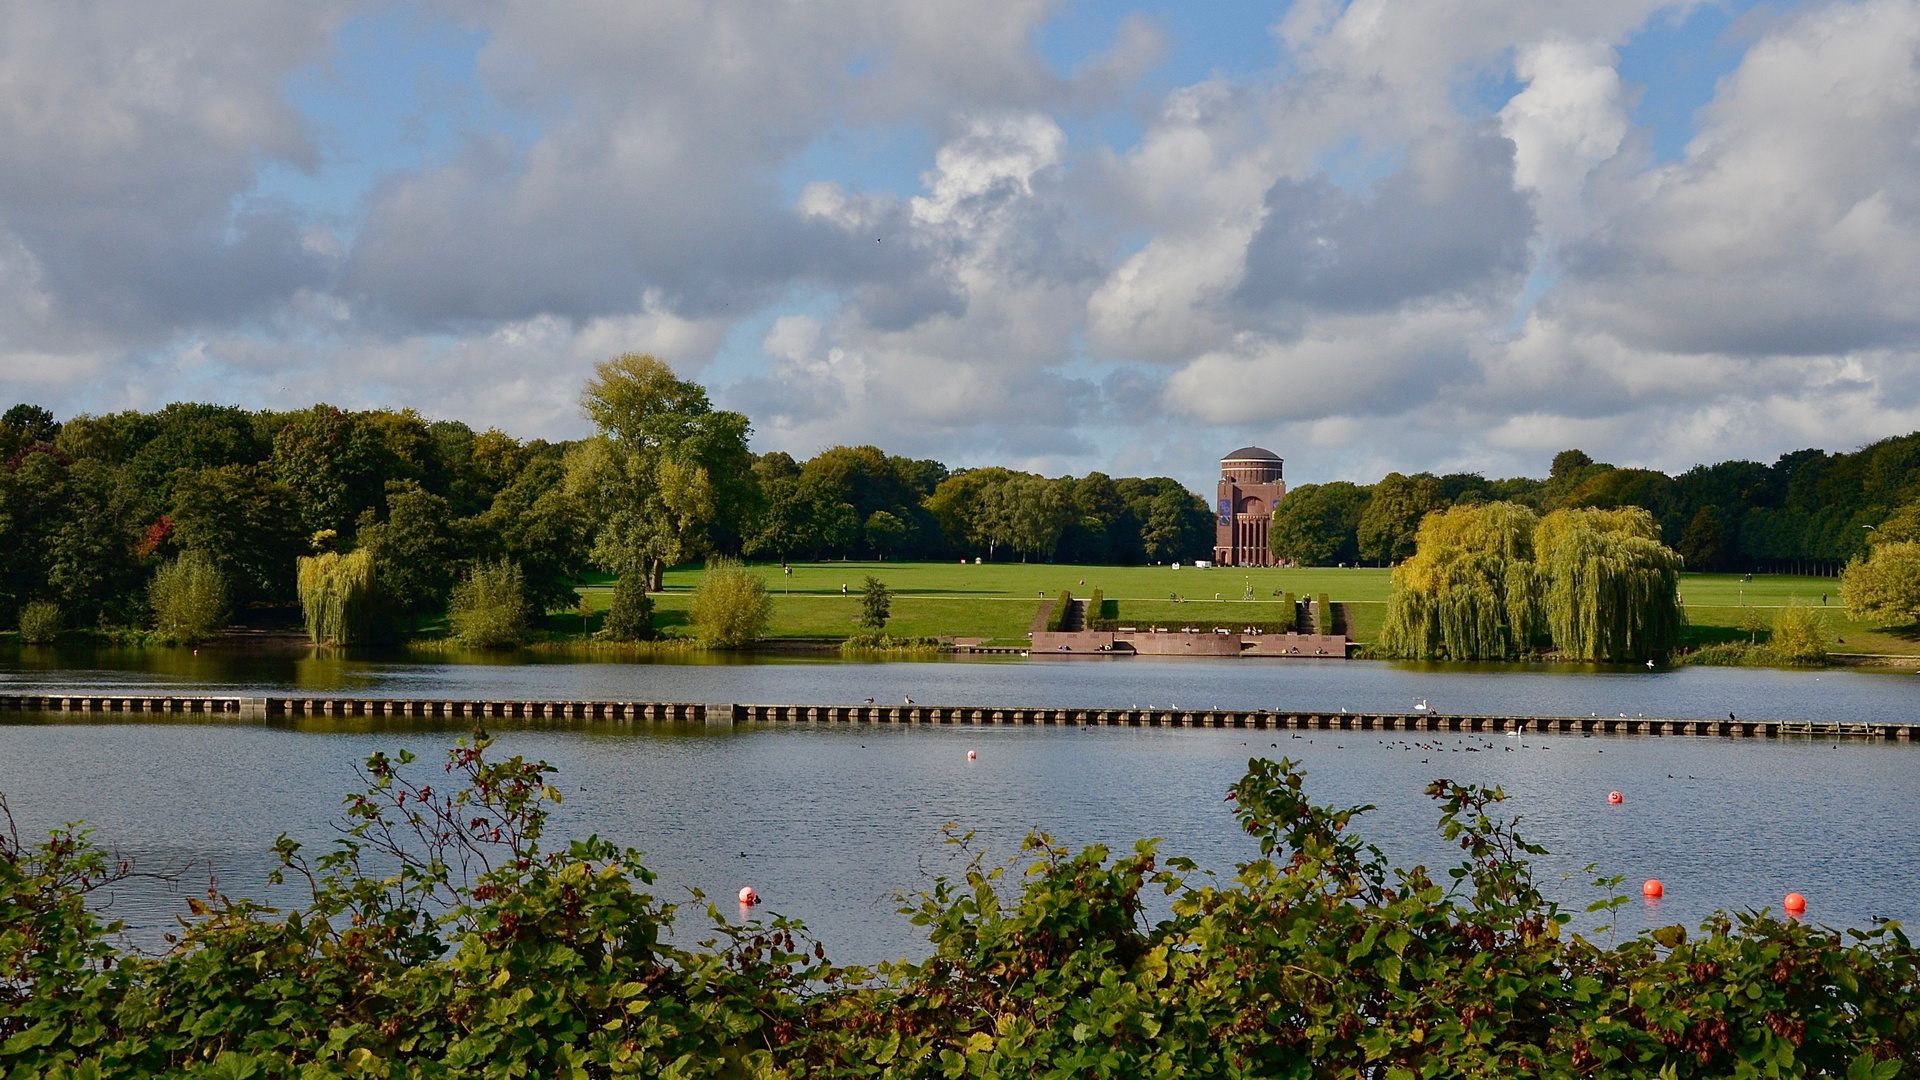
265 708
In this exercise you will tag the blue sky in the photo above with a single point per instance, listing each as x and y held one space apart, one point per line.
1379 234
399 89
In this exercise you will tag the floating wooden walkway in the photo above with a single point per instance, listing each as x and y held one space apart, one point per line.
729 714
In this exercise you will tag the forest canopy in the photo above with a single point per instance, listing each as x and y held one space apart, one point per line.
1808 512
372 519
93 507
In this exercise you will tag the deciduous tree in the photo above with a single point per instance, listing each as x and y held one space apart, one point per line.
1884 587
1392 516
1318 524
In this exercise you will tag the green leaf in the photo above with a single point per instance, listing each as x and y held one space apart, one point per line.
39 1034
231 1066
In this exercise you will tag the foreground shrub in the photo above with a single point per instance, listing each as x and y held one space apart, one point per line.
631 616
1057 615
443 939
1800 634
189 598
489 609
872 643
730 606
40 622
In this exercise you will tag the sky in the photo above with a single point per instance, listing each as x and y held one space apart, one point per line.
1456 235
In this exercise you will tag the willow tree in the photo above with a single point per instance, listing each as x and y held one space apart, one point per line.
1611 589
1469 591
338 597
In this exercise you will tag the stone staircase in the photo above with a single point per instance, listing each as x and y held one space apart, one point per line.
1305 618
1076 619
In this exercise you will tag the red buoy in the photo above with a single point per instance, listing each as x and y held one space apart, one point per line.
748 896
971 755
1653 890
1795 904
1615 798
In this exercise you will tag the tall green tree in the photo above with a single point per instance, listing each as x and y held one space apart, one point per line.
91 567
782 526
535 524
876 603
1029 514
886 534
1176 526
22 426
246 522
1391 520
957 505
415 551
187 438
668 477
1704 541
1318 524
333 463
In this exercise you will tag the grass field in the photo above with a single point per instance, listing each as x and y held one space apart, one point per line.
998 601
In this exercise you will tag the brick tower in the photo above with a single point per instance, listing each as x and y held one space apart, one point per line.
1250 489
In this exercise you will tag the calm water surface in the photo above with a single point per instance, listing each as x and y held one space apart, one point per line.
828 823
1539 689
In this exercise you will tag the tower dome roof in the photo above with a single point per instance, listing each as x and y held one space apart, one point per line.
1252 453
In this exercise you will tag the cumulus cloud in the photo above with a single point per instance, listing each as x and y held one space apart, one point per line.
981 366
133 131
1448 224
1792 226
1353 257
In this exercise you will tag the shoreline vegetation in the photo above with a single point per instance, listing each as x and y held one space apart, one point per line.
382 527
995 603
443 935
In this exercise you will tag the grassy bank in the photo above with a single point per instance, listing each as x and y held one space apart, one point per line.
998 601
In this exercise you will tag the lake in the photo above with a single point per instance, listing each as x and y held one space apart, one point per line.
828 823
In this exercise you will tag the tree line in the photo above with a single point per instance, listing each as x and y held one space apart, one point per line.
370 519
1808 512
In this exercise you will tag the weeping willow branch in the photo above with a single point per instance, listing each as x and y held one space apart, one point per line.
337 596
1612 589
1492 582
1468 592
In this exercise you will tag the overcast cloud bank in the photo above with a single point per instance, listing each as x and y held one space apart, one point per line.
1353 257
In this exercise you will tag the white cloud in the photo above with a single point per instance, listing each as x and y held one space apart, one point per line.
1569 119
1333 254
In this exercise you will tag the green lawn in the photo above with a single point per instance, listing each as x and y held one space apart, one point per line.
1716 603
998 600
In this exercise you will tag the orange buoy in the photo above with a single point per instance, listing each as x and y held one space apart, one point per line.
1653 890
1795 904
1615 798
748 896
971 755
